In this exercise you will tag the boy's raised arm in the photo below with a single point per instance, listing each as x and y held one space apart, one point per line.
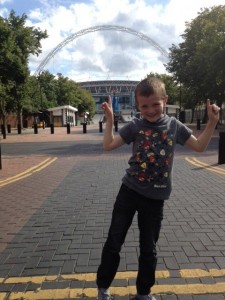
110 141
200 143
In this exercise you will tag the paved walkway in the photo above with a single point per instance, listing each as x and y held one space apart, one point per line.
56 209
11 166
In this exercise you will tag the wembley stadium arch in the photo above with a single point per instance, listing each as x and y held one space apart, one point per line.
122 91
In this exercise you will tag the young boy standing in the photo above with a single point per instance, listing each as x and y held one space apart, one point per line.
147 182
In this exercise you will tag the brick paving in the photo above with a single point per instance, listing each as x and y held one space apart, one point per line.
55 221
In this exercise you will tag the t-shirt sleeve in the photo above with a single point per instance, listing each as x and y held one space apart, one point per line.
127 132
183 133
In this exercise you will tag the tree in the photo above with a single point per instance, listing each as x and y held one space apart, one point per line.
87 104
6 46
47 90
197 62
17 42
70 93
172 88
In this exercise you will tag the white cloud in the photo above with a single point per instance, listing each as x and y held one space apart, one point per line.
2 2
117 53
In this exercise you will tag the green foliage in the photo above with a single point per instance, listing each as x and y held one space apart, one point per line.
197 62
172 88
47 90
17 42
87 104
70 93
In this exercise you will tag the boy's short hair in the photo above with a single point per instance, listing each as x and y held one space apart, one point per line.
150 86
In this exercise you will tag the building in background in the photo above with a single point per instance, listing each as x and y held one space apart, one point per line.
123 90
62 115
122 95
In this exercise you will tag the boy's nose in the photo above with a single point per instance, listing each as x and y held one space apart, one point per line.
150 110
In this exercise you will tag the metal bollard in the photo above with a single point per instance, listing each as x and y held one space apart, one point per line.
84 127
19 129
100 126
116 125
198 124
9 128
68 128
0 155
221 154
52 128
3 131
35 128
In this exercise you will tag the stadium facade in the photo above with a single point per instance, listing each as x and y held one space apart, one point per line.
121 92
122 95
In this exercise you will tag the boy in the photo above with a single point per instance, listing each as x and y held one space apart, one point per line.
147 182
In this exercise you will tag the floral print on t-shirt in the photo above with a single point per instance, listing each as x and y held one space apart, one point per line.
152 157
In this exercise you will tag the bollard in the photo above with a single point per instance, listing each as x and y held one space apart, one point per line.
100 126
3 131
52 128
9 128
0 155
84 127
19 129
221 154
35 128
198 124
68 128
116 125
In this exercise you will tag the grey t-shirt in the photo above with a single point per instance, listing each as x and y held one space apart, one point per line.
150 171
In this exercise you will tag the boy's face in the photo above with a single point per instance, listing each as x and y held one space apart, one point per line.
151 107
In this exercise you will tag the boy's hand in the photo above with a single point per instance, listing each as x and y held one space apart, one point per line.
107 108
213 112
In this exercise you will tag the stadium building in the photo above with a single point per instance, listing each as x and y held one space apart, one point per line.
121 92
122 95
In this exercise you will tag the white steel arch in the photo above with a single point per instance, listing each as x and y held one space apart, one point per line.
93 29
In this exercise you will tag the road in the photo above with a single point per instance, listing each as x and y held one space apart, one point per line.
55 216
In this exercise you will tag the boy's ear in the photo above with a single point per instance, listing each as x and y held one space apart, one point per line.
165 99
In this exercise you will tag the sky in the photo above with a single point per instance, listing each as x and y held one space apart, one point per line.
106 39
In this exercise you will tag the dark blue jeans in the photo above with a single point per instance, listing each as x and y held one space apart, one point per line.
150 215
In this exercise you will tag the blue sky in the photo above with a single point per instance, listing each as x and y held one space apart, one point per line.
106 54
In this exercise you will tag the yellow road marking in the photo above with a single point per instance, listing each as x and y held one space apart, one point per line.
68 293
185 273
28 172
80 277
198 163
2 296
198 273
